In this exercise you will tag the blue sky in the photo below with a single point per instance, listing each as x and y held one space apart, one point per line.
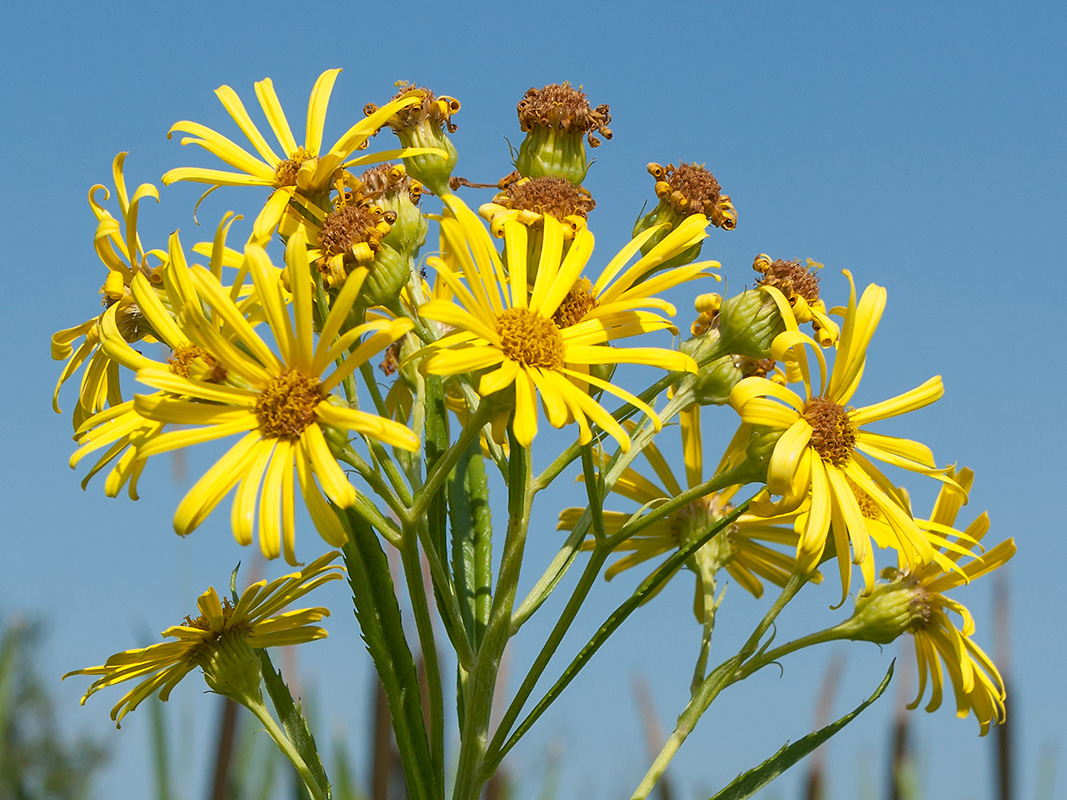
921 146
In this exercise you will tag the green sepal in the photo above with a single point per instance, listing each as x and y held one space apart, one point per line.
381 627
748 783
292 720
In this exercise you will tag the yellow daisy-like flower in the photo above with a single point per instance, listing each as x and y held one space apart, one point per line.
504 327
914 601
742 548
221 631
119 248
825 453
281 403
304 169
120 426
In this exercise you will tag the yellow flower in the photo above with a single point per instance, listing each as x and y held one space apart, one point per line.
742 548
503 326
121 425
915 603
303 169
119 247
281 404
825 453
221 630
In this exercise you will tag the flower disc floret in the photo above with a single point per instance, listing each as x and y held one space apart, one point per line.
530 339
286 171
833 433
580 300
286 405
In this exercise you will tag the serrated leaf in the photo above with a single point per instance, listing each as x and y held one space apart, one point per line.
293 722
381 627
748 783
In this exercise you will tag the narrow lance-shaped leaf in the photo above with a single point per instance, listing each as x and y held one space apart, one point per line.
748 783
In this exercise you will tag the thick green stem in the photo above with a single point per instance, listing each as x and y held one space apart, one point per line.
481 682
439 472
258 708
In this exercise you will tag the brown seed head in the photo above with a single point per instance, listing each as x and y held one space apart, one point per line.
580 300
430 109
565 108
548 195
352 225
789 277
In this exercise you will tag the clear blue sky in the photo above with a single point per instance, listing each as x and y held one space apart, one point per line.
922 146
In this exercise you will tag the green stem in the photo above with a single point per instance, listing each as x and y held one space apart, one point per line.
288 750
409 554
440 471
724 675
648 586
481 682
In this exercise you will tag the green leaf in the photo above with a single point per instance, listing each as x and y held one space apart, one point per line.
382 629
293 722
750 782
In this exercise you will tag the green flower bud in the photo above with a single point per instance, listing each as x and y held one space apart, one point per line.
555 118
389 272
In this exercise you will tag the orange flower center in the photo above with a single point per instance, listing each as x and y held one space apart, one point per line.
530 339
833 433
286 406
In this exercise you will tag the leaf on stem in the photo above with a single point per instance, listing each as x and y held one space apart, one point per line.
748 783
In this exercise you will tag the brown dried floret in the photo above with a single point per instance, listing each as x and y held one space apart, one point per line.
564 108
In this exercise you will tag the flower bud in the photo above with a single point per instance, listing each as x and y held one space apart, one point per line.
389 273
390 187
555 118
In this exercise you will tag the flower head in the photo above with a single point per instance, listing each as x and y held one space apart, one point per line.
510 331
555 118
425 125
220 640
800 287
913 601
119 248
303 170
824 451
280 404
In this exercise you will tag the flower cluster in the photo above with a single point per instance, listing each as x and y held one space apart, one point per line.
267 348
